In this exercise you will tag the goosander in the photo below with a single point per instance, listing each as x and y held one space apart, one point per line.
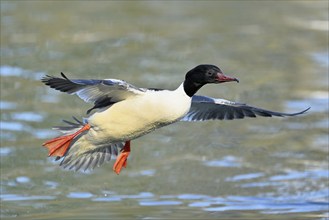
123 112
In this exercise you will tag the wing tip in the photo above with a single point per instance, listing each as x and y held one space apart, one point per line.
46 78
305 110
301 112
63 75
297 113
292 114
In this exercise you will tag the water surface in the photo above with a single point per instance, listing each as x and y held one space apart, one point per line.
263 168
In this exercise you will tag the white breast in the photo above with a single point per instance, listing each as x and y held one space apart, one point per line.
139 115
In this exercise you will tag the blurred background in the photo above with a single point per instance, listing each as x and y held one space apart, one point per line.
243 169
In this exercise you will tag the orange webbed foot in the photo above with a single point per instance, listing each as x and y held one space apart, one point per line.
58 146
121 160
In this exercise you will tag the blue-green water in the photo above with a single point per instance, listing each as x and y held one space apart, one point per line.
263 168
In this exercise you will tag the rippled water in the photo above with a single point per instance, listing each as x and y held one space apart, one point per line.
264 168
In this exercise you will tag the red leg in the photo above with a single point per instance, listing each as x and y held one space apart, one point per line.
121 160
58 146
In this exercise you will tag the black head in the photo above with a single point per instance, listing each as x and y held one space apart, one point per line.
203 74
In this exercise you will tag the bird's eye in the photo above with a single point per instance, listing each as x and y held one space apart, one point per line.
209 74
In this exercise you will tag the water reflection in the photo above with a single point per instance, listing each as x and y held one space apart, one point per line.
79 195
5 151
23 179
51 184
160 203
227 161
319 103
10 71
266 204
12 126
108 199
144 173
7 105
321 58
247 176
14 197
27 116
295 175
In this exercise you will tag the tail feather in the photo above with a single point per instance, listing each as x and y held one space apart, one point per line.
92 164
72 127
74 160
88 163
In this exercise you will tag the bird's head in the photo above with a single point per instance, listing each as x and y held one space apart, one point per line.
202 75
206 73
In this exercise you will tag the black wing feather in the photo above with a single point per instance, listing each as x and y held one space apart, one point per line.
207 108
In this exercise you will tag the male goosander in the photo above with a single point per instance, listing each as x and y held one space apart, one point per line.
124 112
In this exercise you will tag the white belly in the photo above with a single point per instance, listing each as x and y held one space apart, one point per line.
139 115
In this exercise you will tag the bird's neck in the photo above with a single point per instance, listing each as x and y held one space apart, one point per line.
191 88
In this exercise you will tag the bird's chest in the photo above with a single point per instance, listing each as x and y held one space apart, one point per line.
135 117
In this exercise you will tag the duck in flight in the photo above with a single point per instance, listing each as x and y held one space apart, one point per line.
122 112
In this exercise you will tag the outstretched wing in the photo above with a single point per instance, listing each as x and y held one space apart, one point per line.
100 92
207 108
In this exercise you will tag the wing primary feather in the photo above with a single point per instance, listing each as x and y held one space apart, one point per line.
207 108
63 75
